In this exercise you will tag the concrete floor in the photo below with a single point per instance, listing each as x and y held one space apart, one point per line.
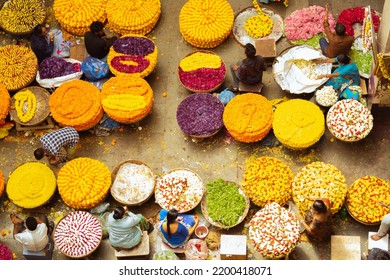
159 142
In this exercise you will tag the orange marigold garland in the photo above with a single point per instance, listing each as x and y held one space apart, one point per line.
1 182
5 102
127 99
248 117
76 103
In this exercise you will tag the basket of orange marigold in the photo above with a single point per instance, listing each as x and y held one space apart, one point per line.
5 102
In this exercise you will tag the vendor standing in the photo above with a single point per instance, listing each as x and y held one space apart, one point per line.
42 43
96 41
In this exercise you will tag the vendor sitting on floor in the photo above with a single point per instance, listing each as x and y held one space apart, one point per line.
96 41
175 229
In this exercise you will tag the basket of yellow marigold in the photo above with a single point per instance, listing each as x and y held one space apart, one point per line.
77 15
319 180
127 99
77 104
132 55
31 185
17 73
365 198
206 23
248 117
298 123
266 180
5 102
133 16
2 182
83 183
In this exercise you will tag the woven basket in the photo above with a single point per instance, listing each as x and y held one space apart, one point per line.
115 173
357 219
205 136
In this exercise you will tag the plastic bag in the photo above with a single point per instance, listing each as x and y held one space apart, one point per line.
225 96
165 255
196 249
94 69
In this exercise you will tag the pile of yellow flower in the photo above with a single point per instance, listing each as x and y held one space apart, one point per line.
298 124
77 15
83 183
5 102
319 180
259 25
31 185
18 66
1 183
133 16
76 103
22 97
266 180
206 23
248 117
364 197
127 99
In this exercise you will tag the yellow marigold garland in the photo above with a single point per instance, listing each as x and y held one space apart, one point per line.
83 182
1 182
127 99
133 16
76 103
259 25
21 98
206 23
248 117
31 185
382 66
298 123
199 60
5 102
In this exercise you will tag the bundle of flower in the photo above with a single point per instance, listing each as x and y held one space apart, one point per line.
133 16
364 197
132 55
349 120
266 180
307 22
298 123
25 105
248 117
206 23
83 182
127 99
18 66
21 16
31 185
54 66
383 66
202 71
5 252
78 234
181 189
274 231
200 115
319 180
76 103
350 16
327 96
2 182
259 25
5 102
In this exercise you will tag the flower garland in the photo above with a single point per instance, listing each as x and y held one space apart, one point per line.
248 117
382 66
21 98
133 16
127 99
298 123
366 31
319 180
76 103
5 252
83 182
266 180
259 25
5 102
2 182
31 185
356 15
206 23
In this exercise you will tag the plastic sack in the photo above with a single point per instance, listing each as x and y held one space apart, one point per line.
225 96
165 256
196 249
94 69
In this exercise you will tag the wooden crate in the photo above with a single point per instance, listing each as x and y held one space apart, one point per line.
142 249
345 247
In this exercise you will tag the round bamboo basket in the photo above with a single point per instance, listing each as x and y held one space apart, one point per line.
357 219
120 199
205 136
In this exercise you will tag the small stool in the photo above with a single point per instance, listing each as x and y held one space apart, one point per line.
256 88
345 248
45 254
142 249
179 250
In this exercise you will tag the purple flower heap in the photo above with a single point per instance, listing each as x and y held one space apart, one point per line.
200 114
5 252
53 67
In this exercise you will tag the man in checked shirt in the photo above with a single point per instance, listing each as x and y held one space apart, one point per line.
52 143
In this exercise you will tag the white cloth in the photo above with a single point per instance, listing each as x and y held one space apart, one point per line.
35 240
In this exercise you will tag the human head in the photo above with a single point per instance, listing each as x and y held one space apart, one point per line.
96 27
250 50
31 223
319 206
340 29
39 153
343 59
118 212
40 30
171 217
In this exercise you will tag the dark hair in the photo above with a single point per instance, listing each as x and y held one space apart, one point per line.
96 26
340 29
31 223
39 153
118 212
38 29
343 58
250 50
171 217
320 206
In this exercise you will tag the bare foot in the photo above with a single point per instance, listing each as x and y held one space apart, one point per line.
376 237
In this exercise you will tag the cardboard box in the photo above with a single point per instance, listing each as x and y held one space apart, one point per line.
233 247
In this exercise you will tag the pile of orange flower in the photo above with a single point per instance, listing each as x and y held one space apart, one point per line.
206 23
266 180
127 99
133 16
298 124
77 104
248 117
364 197
83 182
77 15
319 180
5 102
1 182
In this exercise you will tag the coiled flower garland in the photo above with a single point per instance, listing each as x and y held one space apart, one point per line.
260 25
21 98
5 102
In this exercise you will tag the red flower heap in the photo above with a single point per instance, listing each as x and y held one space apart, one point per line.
356 15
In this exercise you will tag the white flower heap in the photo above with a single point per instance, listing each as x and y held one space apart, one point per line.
326 96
